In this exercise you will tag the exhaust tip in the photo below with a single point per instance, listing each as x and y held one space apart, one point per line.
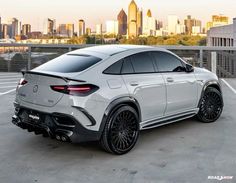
64 138
58 137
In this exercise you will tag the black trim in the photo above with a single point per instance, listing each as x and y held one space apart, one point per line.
114 105
207 84
86 113
66 79
167 121
75 133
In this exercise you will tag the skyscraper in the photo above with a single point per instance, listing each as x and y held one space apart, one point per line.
13 29
26 29
191 25
132 19
140 22
5 31
149 24
70 30
172 22
62 31
81 30
49 26
122 23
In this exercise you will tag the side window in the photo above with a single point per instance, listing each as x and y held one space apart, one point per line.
114 68
127 67
142 63
167 62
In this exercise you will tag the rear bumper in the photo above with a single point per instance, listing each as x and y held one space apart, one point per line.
55 125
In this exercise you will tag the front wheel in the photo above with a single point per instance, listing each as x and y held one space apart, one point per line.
211 105
121 131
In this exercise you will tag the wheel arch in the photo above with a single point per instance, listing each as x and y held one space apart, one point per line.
115 104
214 84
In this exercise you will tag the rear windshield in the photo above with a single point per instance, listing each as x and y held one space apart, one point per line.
69 63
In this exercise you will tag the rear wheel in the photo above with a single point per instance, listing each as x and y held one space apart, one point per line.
121 131
211 106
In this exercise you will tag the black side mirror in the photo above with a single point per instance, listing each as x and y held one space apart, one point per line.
189 68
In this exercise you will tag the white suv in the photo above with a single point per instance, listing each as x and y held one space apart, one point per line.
110 93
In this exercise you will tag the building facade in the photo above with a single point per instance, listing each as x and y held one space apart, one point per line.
217 20
192 25
224 36
49 27
81 28
122 23
26 29
132 20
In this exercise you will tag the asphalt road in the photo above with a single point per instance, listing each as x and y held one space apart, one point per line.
183 152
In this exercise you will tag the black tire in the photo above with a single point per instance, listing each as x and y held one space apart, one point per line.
121 131
211 105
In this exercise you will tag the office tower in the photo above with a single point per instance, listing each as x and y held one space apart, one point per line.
132 19
81 30
172 22
149 24
218 20
112 27
99 29
140 22
192 26
13 28
5 31
88 31
49 26
62 31
26 29
122 22
70 30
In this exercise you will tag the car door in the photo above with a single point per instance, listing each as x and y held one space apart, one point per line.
145 85
181 86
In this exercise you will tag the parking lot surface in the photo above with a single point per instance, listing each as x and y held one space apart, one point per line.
183 152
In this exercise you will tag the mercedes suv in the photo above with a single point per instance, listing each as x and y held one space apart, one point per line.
110 93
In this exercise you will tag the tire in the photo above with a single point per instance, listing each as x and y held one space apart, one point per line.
211 106
121 131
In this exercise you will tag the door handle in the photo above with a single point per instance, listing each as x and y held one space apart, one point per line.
133 83
170 80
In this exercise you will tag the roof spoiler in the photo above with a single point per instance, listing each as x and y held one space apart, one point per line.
66 79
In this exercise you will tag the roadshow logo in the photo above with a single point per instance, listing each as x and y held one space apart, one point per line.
220 177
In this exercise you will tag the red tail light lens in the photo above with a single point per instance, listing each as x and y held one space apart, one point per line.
78 90
22 82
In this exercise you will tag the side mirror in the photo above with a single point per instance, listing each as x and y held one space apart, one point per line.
189 68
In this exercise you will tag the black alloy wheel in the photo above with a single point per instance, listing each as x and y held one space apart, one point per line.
121 131
211 105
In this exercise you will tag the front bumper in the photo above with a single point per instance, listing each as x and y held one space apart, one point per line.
55 125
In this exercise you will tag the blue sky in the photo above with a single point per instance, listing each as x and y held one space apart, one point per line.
34 12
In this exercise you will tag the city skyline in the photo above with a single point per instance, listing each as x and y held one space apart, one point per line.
30 13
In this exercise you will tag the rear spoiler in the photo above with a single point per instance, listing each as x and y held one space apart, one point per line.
66 79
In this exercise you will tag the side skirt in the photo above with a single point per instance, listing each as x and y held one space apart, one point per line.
167 120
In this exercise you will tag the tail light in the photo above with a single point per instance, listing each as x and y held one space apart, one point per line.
22 82
78 90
